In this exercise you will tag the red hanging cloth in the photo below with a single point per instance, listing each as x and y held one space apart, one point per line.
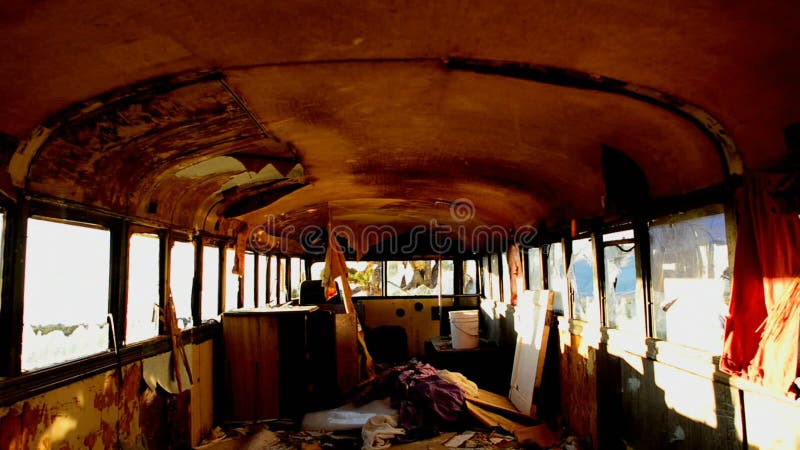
763 327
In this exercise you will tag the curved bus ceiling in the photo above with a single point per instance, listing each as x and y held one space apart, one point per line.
201 115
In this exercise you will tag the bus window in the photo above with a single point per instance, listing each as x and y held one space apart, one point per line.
557 278
210 295
181 276
143 287
261 281
624 300
66 293
418 277
249 280
534 269
470 271
690 279
231 281
581 275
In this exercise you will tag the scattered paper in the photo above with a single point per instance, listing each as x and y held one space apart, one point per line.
457 441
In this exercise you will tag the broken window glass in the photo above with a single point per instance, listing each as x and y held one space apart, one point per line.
181 277
624 300
419 277
65 294
534 269
210 294
557 278
365 278
143 287
582 280
690 279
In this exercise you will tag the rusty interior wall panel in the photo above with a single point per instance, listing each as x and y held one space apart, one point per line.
578 385
95 413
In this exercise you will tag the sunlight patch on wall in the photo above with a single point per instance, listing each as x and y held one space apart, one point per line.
688 395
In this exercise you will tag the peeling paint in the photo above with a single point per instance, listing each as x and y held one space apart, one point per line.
213 166
108 396
267 173
21 160
62 419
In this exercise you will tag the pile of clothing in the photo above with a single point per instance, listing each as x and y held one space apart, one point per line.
427 400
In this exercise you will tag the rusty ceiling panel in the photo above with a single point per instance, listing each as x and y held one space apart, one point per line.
418 131
365 94
115 156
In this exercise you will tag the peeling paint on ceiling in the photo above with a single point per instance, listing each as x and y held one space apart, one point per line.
213 166
351 101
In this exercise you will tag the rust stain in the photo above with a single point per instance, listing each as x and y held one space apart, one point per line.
123 145
130 391
152 418
90 440
108 397
109 434
19 428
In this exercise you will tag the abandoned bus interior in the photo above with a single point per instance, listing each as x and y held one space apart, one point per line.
318 224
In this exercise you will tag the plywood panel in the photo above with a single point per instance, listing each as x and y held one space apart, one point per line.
202 417
251 353
347 360
532 324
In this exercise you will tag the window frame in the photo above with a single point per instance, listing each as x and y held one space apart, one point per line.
16 385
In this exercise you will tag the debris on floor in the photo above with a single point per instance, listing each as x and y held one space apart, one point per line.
282 435
406 407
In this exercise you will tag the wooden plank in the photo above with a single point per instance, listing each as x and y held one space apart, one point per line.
497 403
202 400
541 435
347 363
532 324
491 419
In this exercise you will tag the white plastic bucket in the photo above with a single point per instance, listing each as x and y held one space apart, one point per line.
464 328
